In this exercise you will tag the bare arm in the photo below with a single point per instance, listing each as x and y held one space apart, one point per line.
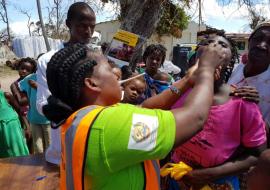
22 100
167 98
236 166
11 100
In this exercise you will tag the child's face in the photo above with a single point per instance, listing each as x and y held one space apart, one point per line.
106 81
133 90
25 69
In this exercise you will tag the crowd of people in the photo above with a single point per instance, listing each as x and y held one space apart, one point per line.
115 128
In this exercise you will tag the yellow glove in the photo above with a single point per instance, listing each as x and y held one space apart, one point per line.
176 171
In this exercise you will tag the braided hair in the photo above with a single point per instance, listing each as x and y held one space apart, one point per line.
156 49
66 72
226 74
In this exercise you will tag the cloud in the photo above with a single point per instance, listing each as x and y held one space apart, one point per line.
19 28
230 17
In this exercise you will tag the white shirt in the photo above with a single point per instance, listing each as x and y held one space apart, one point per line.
53 153
261 82
169 68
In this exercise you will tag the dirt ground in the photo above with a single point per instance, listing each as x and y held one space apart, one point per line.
7 76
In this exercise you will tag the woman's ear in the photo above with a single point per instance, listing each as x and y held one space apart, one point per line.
90 83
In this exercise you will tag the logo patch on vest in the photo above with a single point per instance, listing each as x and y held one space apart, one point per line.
143 133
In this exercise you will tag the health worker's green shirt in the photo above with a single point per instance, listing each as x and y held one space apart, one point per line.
121 138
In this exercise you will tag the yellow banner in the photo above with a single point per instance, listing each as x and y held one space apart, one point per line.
128 38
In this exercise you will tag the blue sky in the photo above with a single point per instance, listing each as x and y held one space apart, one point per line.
228 17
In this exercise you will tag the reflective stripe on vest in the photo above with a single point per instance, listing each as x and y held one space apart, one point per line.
74 136
152 174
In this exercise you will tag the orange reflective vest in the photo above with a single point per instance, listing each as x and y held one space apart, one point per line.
74 138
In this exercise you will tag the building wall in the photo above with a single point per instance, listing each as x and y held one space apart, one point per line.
240 51
108 29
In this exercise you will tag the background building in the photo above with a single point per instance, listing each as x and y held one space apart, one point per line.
189 36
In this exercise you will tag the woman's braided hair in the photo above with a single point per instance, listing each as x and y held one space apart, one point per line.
235 58
66 72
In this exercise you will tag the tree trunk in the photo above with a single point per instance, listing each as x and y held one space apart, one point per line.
42 26
141 18
57 2
7 22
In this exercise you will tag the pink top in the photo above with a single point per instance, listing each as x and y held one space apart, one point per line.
235 123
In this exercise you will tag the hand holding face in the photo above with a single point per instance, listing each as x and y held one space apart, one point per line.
212 55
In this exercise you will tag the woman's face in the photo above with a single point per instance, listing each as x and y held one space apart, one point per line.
226 48
153 63
117 71
25 69
107 81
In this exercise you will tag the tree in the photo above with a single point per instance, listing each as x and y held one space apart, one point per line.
4 16
28 15
43 27
56 19
142 17
255 18
5 37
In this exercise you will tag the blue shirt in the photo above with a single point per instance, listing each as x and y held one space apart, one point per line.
32 115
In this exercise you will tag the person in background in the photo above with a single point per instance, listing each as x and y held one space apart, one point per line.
26 66
81 21
256 72
40 125
153 57
12 141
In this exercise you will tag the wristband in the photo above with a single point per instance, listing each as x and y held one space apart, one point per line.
175 90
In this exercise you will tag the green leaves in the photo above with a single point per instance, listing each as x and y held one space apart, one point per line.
173 20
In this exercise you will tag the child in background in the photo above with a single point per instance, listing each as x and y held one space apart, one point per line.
12 142
164 77
259 177
153 57
134 90
26 66
232 123
40 126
